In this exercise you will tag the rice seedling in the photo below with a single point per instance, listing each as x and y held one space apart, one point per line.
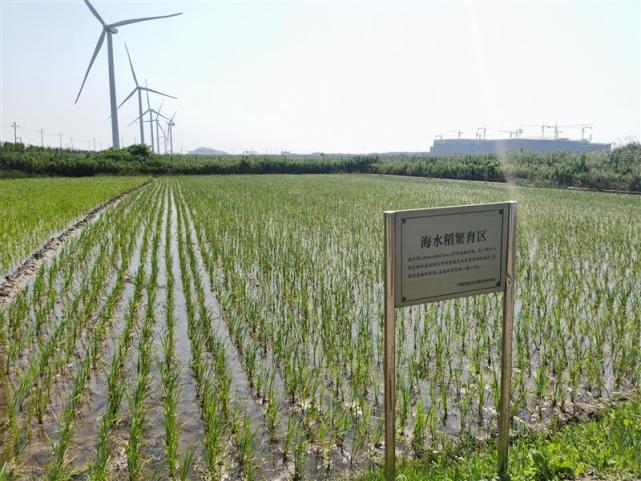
34 209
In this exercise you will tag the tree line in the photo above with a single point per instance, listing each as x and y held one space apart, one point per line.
618 169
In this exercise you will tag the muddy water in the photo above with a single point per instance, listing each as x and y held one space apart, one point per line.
119 434
37 453
187 409
267 453
88 427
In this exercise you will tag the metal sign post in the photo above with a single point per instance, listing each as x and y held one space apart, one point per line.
444 253
389 404
506 346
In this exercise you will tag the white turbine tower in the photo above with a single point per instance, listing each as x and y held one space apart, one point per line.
164 136
108 30
139 88
170 126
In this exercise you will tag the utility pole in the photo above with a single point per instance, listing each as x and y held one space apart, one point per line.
94 144
42 138
71 142
15 135
60 135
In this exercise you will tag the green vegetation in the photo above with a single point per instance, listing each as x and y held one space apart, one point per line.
618 169
608 447
31 210
231 327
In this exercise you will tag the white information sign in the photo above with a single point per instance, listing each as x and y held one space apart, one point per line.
443 253
450 252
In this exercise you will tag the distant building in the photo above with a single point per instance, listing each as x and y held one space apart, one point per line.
482 146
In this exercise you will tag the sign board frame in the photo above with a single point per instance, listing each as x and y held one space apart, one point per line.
395 250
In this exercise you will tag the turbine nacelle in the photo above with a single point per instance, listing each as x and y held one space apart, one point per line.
111 29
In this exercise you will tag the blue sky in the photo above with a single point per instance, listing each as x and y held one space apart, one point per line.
307 76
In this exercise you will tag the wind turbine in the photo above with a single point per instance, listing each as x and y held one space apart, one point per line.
139 88
170 126
109 30
151 122
164 136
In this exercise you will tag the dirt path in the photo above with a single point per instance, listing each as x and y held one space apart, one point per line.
13 281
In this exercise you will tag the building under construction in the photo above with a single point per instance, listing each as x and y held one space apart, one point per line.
501 146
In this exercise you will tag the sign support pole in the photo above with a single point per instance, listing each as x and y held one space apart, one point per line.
390 347
506 346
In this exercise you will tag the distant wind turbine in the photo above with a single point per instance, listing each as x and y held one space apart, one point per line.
139 88
108 30
151 122
164 136
170 126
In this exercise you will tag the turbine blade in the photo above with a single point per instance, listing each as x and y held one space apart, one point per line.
95 54
159 93
148 104
172 117
95 12
158 114
128 96
138 118
136 20
160 108
132 66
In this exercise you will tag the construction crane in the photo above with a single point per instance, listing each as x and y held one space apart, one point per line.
479 130
542 126
583 128
513 133
556 129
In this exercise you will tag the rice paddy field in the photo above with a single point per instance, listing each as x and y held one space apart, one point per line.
33 209
232 328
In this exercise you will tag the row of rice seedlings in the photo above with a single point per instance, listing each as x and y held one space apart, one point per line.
213 402
70 264
137 406
210 366
169 367
260 377
214 413
98 469
307 386
59 467
29 302
237 311
35 382
51 358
